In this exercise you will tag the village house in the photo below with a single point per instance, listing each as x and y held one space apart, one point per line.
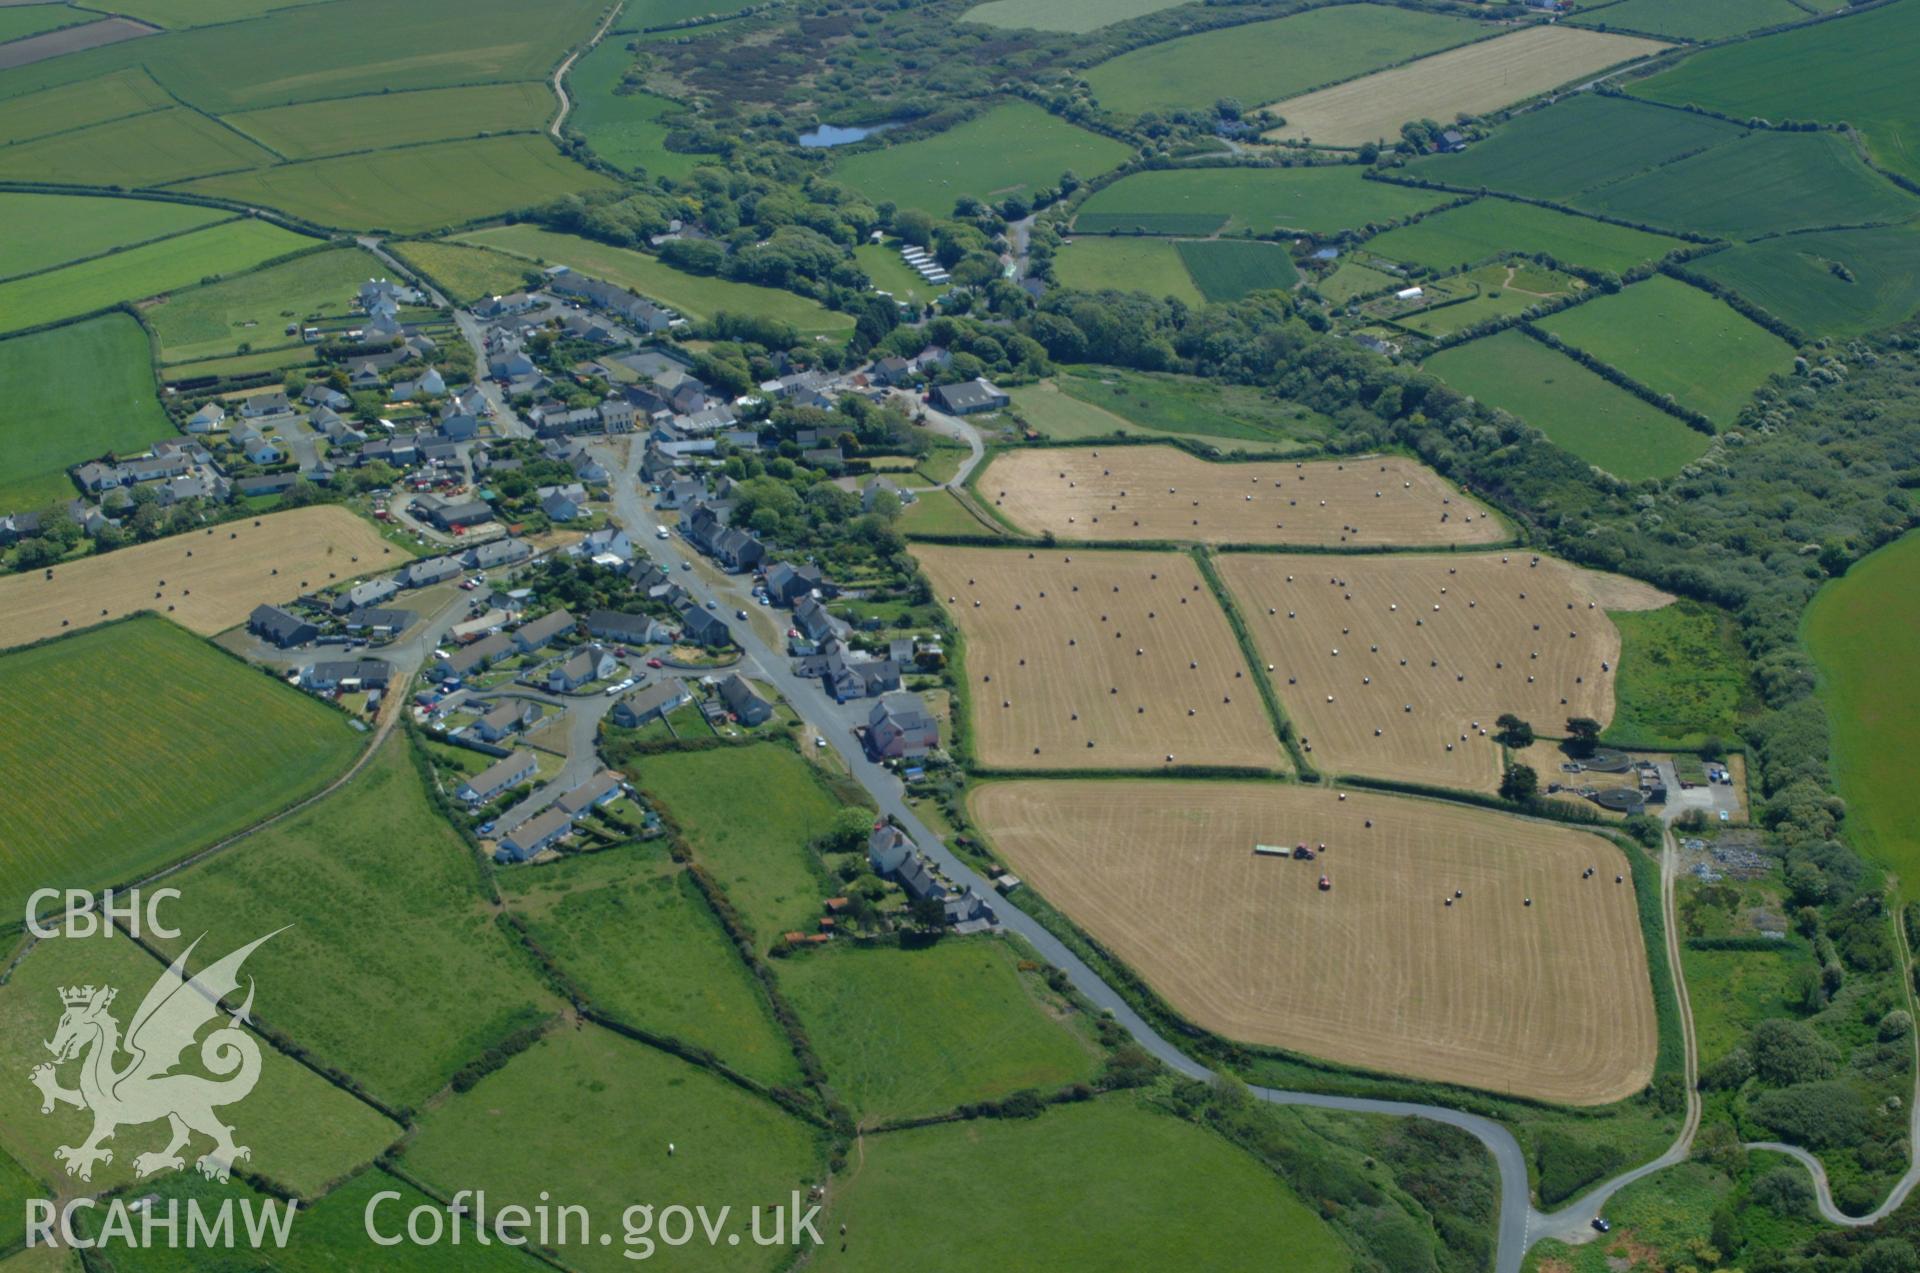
588 664
787 583
537 634
603 788
542 831
747 707
627 629
501 776
348 675
703 628
510 716
470 659
360 595
281 627
429 570
812 619
641 706
381 624
888 848
901 728
497 552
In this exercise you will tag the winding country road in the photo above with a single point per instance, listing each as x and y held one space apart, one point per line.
560 72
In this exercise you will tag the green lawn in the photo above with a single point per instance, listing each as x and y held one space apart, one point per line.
1226 415
1228 270
1857 70
1495 227
1580 143
1759 184
1262 62
907 1033
940 513
382 120
1350 279
157 744
18 1183
1489 295
45 230
891 273
18 22
141 150
388 925
227 248
1199 201
588 1116
78 105
73 393
464 273
1677 340
1575 408
755 848
303 1131
337 50
255 308
1061 15
1109 1183
1734 990
1682 676
1864 632
696 296
1012 149
1826 282
631 930
415 188
1153 266
628 130
1694 20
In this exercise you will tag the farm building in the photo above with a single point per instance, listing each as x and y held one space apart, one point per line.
446 514
969 397
503 775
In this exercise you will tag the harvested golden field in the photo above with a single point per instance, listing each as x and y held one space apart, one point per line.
1098 660
204 580
1396 666
1549 1000
1473 79
1161 492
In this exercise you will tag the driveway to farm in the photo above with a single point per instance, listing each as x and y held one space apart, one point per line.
951 426
836 722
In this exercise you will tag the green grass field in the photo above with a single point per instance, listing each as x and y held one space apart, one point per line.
1576 409
74 393
1262 62
1826 282
1855 70
240 364
303 1131
661 13
388 925
1153 266
79 105
1199 201
1682 677
1109 1183
18 22
1494 227
694 295
193 13
17 1182
212 747
1864 632
627 130
255 308
149 270
464 273
334 50
1677 340
579 1100
890 273
1350 279
1227 270
141 150
1695 20
45 230
755 848
632 931
1012 149
940 513
908 1033
1583 142
1493 291
1758 184
1225 415
1735 990
1061 15
383 120
413 189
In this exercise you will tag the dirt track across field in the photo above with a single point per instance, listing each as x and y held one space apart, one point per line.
1549 1000
1099 660
1160 492
1397 666
207 580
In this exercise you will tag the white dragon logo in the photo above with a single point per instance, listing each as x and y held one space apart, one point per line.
144 1090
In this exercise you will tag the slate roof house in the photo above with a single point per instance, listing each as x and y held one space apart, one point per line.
497 552
738 550
787 583
888 848
602 788
747 707
542 831
370 593
347 674
429 570
702 628
281 627
628 629
469 659
638 708
899 727
537 634
812 619
509 717
379 622
503 775
588 664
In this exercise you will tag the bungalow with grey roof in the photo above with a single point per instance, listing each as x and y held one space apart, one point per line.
563 503
429 570
380 623
497 552
347 674
589 664
470 659
602 788
266 484
207 418
508 717
641 706
262 405
747 707
542 831
372 592
503 775
537 634
628 629
283 628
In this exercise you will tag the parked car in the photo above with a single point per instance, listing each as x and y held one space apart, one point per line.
486 828
739 614
1602 1225
655 663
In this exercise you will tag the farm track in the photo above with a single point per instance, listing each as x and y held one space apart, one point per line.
560 74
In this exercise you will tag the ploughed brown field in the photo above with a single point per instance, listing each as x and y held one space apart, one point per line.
1549 1000
1397 666
204 580
1098 659
1159 492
